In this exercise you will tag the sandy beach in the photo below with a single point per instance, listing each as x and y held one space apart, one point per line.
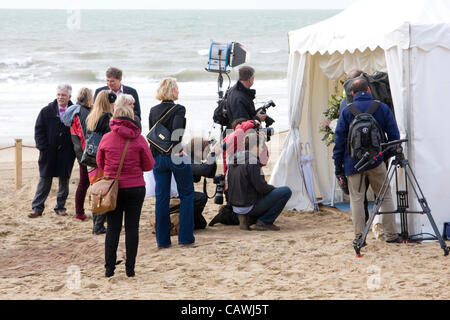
311 257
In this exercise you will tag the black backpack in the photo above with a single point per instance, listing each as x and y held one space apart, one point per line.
364 134
220 115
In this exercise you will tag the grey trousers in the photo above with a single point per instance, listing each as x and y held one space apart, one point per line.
43 189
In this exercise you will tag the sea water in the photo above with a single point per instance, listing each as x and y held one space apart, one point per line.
42 48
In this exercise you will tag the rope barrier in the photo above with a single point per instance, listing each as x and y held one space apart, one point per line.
7 148
10 147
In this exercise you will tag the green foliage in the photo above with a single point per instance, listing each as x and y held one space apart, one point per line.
328 125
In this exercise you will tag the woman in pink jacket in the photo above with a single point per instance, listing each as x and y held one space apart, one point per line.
131 185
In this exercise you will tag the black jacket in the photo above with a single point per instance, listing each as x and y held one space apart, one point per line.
240 103
126 90
173 121
245 181
103 123
203 170
54 142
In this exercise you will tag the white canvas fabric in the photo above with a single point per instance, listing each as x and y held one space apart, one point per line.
150 185
411 41
308 174
288 167
368 25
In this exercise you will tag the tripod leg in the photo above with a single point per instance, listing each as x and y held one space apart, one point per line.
360 243
376 209
425 208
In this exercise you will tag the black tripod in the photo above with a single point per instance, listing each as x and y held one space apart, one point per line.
402 197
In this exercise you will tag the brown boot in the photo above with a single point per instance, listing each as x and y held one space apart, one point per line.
243 222
34 214
61 212
261 226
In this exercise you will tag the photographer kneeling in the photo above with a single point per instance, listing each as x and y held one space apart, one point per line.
253 200
196 150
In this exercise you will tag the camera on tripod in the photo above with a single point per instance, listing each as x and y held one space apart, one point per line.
393 147
219 181
398 163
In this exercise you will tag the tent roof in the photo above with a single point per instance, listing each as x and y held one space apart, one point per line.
384 23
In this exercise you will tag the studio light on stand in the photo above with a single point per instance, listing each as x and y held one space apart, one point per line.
222 56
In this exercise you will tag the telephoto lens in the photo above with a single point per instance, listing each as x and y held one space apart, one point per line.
218 199
219 180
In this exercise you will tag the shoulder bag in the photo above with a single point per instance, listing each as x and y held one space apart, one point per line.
90 149
159 136
103 193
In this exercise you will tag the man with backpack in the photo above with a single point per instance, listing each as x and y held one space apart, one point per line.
362 127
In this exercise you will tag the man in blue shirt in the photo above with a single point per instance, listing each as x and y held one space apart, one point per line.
376 172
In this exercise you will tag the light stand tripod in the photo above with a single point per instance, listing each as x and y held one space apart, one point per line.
402 197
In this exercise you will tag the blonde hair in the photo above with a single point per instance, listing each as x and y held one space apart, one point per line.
101 105
85 97
122 111
165 89
124 100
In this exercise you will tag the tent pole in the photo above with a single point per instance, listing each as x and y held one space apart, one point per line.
333 191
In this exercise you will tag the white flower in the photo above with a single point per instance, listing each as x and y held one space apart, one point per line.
333 125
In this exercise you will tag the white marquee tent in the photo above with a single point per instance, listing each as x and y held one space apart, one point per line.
409 39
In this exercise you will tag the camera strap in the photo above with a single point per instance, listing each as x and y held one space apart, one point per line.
206 191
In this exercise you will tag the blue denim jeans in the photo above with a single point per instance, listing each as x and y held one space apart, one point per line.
269 207
182 171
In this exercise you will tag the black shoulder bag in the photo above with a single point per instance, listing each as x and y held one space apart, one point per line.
159 136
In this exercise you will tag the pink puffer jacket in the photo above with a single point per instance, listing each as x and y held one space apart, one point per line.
137 160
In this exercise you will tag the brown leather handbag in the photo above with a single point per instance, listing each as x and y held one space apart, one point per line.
103 193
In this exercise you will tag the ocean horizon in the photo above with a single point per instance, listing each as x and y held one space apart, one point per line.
44 47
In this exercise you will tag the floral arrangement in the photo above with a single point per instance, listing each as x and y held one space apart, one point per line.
328 126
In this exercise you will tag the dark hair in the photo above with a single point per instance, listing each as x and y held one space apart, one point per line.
355 74
360 85
195 142
245 73
251 138
114 73
237 122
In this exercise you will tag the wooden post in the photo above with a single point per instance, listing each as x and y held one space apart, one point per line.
18 162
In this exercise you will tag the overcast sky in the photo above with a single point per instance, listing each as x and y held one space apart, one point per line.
178 4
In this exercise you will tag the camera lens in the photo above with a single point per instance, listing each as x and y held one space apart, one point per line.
218 199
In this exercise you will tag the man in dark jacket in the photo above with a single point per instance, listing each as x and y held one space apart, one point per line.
240 98
376 172
114 83
56 155
253 200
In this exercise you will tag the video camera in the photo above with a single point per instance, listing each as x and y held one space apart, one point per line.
393 146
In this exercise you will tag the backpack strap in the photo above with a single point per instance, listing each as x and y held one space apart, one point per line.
373 107
353 109
371 110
